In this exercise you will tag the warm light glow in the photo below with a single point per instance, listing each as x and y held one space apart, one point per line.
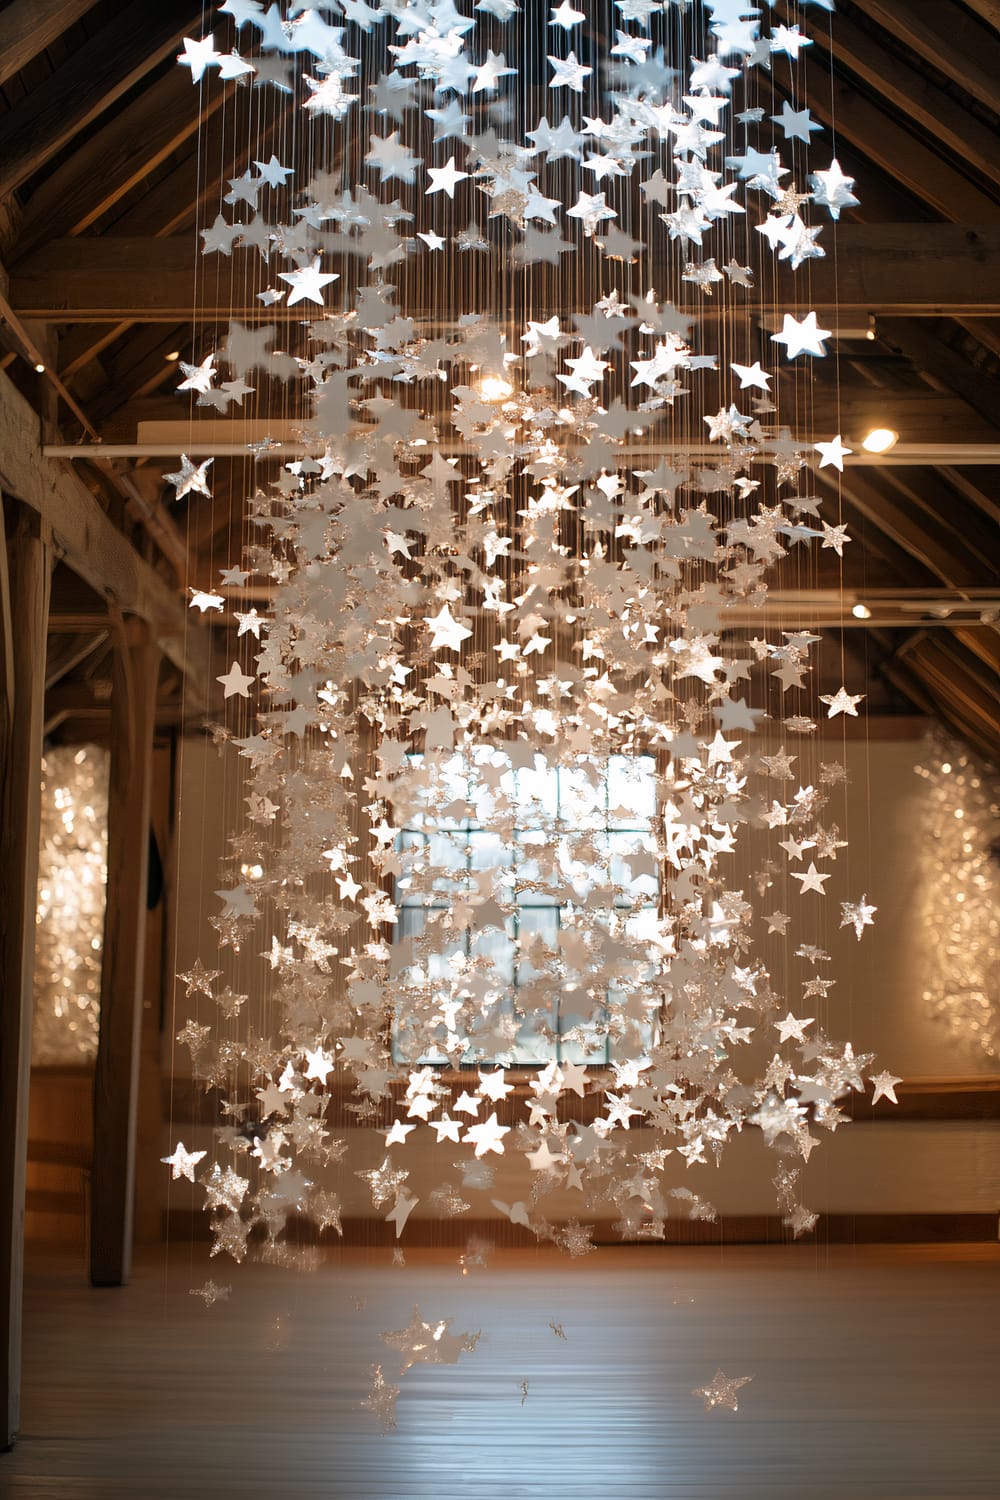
495 388
69 920
40 369
174 354
959 885
880 440
861 612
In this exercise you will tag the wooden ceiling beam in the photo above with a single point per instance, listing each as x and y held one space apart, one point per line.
67 652
179 200
892 145
27 28
951 679
98 74
909 676
950 370
141 367
915 95
951 42
982 642
873 542
91 545
973 544
984 331
961 480
84 343
919 415
191 193
897 270
114 159
868 495
987 10
143 496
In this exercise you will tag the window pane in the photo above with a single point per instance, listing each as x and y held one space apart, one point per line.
571 836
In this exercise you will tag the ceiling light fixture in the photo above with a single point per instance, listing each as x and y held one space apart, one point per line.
861 612
880 440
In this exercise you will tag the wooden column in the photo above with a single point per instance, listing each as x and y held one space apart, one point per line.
133 709
25 571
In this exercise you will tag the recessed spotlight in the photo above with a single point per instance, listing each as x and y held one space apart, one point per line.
880 440
861 612
39 369
174 354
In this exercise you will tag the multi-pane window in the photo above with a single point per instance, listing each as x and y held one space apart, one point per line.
572 852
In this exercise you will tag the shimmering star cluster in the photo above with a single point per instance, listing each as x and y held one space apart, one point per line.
498 713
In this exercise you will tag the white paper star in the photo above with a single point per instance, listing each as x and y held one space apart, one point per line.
307 284
390 155
236 682
797 124
789 39
487 1136
232 65
884 1087
859 915
273 173
801 336
568 73
832 453
190 478
792 1026
198 56
446 630
490 72
443 179
201 600
198 377
841 702
752 376
566 17
182 1163
832 190
812 879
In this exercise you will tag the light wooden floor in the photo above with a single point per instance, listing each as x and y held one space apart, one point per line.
874 1378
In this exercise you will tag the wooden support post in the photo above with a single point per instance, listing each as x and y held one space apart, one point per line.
133 711
25 571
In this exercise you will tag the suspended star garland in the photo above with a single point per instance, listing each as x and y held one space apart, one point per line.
498 673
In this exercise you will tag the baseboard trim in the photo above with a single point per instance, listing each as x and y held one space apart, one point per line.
738 1229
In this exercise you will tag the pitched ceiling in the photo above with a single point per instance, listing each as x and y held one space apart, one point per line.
105 171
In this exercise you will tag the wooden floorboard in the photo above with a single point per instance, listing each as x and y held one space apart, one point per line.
873 1378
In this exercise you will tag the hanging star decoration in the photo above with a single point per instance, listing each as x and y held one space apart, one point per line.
722 1391
182 1163
381 1400
489 657
211 1292
190 479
